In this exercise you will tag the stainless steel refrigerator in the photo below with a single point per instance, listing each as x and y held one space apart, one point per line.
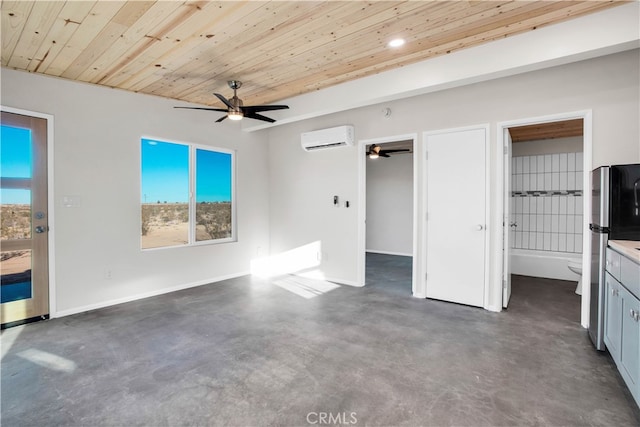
615 214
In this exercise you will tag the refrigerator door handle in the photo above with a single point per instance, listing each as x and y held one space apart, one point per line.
635 197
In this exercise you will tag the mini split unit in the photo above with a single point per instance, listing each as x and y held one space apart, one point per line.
340 136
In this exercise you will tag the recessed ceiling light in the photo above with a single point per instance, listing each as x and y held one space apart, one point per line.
396 42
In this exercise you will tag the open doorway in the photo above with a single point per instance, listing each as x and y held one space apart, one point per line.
389 204
545 182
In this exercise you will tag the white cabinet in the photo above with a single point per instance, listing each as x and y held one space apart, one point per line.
613 316
630 276
622 318
612 263
630 343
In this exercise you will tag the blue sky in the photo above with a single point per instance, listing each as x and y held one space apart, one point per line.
165 174
213 176
15 161
165 170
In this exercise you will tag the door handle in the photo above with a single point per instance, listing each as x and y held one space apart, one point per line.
636 199
479 227
513 224
41 229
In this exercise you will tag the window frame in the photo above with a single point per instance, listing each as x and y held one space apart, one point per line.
192 148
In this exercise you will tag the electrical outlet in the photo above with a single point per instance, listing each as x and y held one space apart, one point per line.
108 274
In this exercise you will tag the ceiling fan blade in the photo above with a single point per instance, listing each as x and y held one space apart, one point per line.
202 108
395 151
224 100
236 108
258 108
259 117
383 154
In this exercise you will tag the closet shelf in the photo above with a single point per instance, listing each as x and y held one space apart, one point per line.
537 193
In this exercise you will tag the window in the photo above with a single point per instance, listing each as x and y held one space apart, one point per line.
186 195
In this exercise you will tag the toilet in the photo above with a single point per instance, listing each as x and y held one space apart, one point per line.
576 267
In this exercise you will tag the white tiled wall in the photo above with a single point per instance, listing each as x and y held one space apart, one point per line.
546 202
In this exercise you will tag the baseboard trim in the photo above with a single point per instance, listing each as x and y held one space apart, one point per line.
494 308
144 295
388 253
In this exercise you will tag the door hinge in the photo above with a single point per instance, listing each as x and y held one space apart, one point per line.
425 276
426 216
426 155
506 149
504 284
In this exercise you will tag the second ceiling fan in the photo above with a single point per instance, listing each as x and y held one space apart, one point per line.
236 110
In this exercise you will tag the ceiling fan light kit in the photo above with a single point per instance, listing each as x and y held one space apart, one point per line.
235 115
236 110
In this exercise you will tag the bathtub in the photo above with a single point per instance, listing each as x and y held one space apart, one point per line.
551 265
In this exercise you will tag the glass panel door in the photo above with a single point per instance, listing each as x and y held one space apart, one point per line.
24 287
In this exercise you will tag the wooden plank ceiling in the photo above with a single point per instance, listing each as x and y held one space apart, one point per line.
187 50
551 130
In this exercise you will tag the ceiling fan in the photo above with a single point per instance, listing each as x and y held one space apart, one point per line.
376 151
236 111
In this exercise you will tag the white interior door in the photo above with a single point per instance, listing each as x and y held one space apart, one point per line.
456 216
507 224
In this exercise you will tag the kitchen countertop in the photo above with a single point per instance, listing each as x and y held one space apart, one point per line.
628 248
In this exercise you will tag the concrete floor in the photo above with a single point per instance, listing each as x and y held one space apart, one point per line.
248 352
389 273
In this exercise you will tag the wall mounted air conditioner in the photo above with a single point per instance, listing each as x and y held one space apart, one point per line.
340 136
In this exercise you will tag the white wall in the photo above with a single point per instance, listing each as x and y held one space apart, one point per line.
301 190
390 204
284 195
97 157
302 183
